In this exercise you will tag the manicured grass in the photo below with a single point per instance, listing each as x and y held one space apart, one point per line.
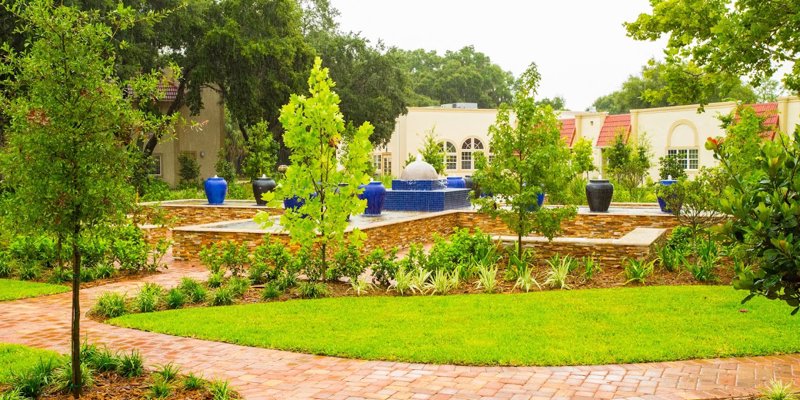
13 290
546 328
16 358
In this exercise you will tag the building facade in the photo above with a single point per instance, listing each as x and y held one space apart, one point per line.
680 131
198 136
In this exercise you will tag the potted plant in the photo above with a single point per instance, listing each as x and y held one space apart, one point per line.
261 159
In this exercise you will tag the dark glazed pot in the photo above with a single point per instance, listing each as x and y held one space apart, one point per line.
468 181
263 185
456 182
661 202
598 194
216 188
375 194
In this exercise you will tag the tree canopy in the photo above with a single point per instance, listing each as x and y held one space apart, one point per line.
740 38
663 84
464 75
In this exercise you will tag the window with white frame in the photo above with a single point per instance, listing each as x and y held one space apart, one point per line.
387 164
687 158
376 162
469 147
450 155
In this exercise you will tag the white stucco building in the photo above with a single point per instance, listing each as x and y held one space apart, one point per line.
677 130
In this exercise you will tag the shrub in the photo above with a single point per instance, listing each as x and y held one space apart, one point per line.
159 389
638 270
29 271
131 365
517 265
590 268
93 250
312 290
175 299
383 265
88 274
33 382
487 279
560 267
39 250
146 302
239 286
403 280
274 258
670 258
193 290
188 170
777 390
60 275
6 269
222 297
419 280
259 273
62 377
235 257
220 390
286 280
104 271
361 286
211 257
707 259
443 282
215 279
415 259
130 249
526 280
271 291
193 382
347 263
168 372
102 360
110 305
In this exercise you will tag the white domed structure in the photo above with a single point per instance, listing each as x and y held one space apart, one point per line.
419 171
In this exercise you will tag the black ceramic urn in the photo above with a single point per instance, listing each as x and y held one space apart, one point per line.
598 194
263 185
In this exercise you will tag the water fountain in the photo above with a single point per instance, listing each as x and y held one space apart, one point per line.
420 189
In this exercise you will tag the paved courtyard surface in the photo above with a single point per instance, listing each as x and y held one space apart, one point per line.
269 374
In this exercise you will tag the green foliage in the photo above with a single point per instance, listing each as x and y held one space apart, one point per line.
193 382
262 152
224 168
590 267
312 290
582 158
518 262
403 281
670 258
220 390
193 290
131 364
110 305
723 37
175 299
29 272
223 296
662 84
432 151
529 157
382 264
129 249
159 389
638 270
695 202
63 380
271 291
146 301
464 75
12 394
777 390
442 282
670 168
168 372
629 163
33 382
239 286
324 162
347 263
188 171
525 280
361 286
763 204
101 359
487 279
558 274
228 254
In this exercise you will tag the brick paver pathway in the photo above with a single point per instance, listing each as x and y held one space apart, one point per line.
269 374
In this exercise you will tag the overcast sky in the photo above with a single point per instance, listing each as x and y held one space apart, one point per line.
580 46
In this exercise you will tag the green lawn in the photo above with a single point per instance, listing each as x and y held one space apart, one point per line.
546 328
15 358
12 290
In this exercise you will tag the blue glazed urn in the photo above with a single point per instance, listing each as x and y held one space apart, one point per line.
540 199
456 182
375 194
661 201
216 188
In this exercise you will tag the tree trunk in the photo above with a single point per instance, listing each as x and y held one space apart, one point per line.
76 315
519 246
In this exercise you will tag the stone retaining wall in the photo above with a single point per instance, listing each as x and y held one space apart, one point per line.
180 214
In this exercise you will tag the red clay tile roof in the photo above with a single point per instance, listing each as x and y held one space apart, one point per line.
568 130
768 111
612 126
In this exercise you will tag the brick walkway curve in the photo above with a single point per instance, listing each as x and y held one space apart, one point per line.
269 374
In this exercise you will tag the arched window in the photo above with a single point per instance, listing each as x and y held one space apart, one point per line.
450 155
469 147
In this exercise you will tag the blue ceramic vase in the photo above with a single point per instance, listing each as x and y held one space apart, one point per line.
375 194
216 188
456 182
661 202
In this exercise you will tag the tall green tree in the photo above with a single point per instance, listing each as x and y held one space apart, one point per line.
464 75
66 163
582 158
662 84
736 37
529 158
262 152
629 163
432 151
325 169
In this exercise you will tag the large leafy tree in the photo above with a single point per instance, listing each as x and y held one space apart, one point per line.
737 37
464 75
69 125
529 158
326 170
662 84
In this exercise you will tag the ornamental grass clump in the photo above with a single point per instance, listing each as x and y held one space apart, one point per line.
560 267
110 305
638 270
487 279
